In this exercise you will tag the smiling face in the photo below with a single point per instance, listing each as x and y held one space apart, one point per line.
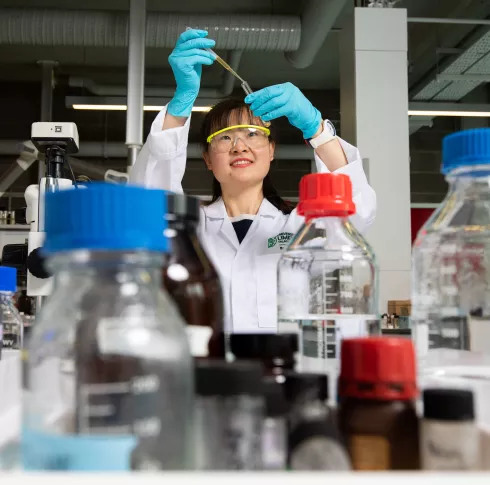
245 162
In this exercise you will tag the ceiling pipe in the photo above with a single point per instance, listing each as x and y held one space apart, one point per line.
98 28
428 20
93 149
136 79
165 92
316 22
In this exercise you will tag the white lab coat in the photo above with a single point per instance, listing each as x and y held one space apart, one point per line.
247 270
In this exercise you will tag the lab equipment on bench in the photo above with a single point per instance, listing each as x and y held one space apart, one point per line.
109 372
56 141
327 276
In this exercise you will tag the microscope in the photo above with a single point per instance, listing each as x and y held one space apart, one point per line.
56 141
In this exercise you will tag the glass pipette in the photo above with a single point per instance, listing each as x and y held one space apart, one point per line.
244 84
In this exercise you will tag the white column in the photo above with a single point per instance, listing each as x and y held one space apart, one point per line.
374 105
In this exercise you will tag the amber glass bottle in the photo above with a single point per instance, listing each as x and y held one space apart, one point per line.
192 280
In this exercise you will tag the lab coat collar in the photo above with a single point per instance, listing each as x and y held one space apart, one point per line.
217 209
216 212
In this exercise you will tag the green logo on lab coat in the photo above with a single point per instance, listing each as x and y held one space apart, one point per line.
281 239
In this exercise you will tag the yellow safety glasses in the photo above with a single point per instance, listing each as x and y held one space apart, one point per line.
253 136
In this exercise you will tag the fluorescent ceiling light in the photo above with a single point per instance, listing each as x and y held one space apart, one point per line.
108 107
123 107
203 109
469 114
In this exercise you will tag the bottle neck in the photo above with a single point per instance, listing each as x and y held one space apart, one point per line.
341 215
327 219
118 267
473 180
334 227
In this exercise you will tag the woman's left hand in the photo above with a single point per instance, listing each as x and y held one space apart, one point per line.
286 100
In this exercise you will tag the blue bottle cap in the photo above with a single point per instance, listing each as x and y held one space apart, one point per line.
105 216
8 279
466 149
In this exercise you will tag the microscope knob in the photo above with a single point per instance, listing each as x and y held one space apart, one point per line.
36 264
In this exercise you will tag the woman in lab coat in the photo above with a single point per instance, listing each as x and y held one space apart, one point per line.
247 225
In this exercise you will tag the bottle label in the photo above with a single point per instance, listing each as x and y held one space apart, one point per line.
369 452
10 340
199 338
45 451
449 445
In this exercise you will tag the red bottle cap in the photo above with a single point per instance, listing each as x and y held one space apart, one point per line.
378 368
325 194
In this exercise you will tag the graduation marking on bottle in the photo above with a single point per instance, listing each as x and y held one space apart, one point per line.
89 410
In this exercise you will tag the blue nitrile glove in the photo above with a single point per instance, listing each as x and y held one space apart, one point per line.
286 100
186 61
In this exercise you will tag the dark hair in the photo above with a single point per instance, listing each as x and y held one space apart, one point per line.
219 117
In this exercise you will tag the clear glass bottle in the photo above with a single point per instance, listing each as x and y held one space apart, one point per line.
12 322
327 276
110 375
450 258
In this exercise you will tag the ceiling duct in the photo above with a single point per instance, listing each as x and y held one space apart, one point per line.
95 28
317 21
451 83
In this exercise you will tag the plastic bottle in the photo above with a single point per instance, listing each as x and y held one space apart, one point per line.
191 279
449 436
327 276
377 392
450 265
12 322
110 375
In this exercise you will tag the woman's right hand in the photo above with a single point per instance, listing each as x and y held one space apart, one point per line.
186 61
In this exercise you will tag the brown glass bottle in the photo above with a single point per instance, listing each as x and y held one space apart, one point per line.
191 279
377 389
